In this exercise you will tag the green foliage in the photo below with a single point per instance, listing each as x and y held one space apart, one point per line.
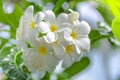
47 76
95 35
58 5
115 6
74 69
5 51
4 41
105 12
116 27
11 19
17 59
8 66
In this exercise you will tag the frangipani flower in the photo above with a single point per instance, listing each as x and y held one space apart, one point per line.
78 34
71 54
27 23
39 58
52 25
76 39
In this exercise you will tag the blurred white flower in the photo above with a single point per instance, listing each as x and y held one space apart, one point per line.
71 54
78 34
53 25
27 23
40 58
73 16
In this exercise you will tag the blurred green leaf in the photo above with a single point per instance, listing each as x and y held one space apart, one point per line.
46 77
74 69
11 19
119 78
95 35
9 69
5 51
115 6
116 27
3 42
105 12
73 3
58 5
18 59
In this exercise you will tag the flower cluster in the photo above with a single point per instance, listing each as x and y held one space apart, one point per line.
45 39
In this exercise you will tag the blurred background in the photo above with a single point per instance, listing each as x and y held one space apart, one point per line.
105 52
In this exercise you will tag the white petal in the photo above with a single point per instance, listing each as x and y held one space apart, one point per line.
39 17
21 36
29 11
43 27
76 56
34 33
84 28
84 43
58 51
35 76
51 37
77 49
51 63
32 39
62 18
67 61
73 16
42 74
50 16
67 34
33 60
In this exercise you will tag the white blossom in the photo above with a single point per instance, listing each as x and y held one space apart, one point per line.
78 34
39 58
45 40
28 22
52 25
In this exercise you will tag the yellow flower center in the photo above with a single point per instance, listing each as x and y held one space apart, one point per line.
32 24
42 50
69 49
56 42
73 35
53 28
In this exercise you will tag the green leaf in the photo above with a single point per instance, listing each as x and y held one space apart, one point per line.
46 77
115 6
116 27
11 19
58 5
105 12
18 59
95 35
9 68
5 51
75 68
3 42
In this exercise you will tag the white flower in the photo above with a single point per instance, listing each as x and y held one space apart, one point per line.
50 40
27 23
71 54
73 16
50 36
78 34
52 25
40 58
